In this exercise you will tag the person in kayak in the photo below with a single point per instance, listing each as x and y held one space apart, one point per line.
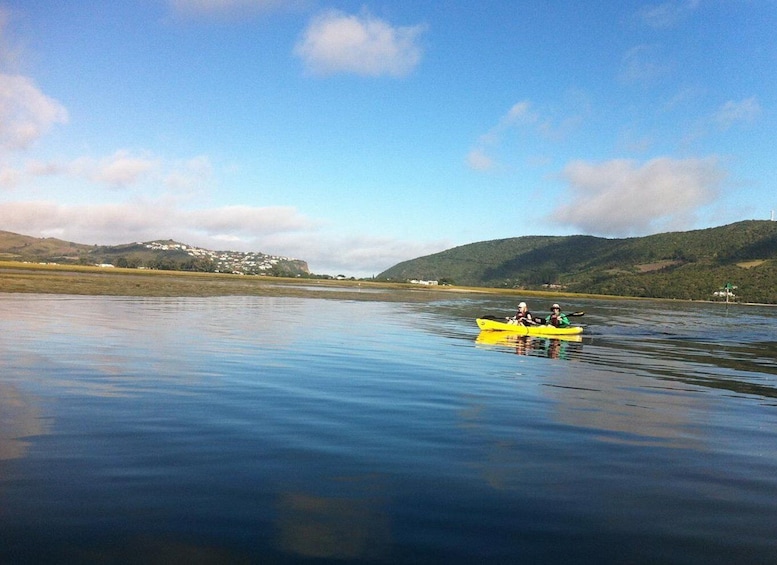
557 318
522 316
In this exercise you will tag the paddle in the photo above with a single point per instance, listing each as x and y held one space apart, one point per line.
533 321
572 315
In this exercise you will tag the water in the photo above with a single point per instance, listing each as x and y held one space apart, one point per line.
284 430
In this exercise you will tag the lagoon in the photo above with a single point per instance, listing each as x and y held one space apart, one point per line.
289 429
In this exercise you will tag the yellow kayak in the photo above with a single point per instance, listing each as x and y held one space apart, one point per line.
510 339
518 329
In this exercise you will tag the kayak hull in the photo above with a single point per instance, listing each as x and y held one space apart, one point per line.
541 330
511 339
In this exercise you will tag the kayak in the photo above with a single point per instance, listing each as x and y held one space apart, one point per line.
511 339
541 330
496 325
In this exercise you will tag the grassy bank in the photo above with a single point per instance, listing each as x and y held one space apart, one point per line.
16 277
83 280
38 278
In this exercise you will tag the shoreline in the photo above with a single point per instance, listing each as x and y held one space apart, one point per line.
36 278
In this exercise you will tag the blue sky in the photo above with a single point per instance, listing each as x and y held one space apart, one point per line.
355 135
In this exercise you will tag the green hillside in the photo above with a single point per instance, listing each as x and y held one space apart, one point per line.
14 246
159 254
686 265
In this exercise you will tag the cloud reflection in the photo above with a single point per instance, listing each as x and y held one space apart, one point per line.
332 528
19 418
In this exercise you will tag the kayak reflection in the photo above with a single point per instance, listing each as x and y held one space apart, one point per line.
556 347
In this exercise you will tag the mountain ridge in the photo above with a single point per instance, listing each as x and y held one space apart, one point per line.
686 265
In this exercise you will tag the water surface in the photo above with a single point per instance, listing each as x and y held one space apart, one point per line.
251 429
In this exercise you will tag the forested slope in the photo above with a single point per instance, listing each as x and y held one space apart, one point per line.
689 265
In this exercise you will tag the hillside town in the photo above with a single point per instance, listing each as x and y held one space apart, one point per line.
236 262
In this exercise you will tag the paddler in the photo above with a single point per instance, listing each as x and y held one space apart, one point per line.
522 316
557 317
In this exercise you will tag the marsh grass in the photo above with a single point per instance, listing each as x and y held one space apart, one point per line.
87 280
17 277
82 280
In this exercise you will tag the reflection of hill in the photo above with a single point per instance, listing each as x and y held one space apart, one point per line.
616 406
709 361
332 528
112 339
655 413
19 418
581 400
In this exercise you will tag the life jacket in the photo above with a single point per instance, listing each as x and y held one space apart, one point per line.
558 320
521 316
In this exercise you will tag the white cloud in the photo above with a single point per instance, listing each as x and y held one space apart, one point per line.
277 230
561 130
355 255
190 175
732 112
667 14
126 222
9 177
519 113
479 161
35 168
727 116
339 43
643 64
26 113
621 197
371 256
118 170
122 169
685 96
247 221
523 115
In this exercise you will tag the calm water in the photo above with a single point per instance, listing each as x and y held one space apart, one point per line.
262 430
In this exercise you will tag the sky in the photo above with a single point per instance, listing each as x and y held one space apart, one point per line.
356 135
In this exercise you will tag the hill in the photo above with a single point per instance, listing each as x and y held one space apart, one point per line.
14 246
159 254
685 265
